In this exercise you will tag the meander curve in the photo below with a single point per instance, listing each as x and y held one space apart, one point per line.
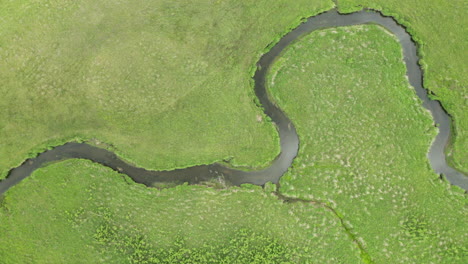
289 140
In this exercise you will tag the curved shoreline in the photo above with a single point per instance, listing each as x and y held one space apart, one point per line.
289 140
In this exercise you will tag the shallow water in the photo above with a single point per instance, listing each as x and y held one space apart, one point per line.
288 137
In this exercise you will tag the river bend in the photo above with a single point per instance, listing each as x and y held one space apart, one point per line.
288 137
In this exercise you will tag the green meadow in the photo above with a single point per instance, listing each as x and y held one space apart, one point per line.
163 84
167 84
438 28
364 137
81 212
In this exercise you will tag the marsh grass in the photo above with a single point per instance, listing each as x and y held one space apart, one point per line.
77 211
163 84
168 85
364 138
438 28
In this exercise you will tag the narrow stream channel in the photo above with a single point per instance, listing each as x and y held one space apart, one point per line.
288 137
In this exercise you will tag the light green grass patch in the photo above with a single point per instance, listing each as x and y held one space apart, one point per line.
438 27
167 84
364 137
77 211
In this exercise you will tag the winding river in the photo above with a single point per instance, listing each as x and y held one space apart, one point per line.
288 137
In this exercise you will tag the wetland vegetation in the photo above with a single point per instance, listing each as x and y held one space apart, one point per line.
163 84
77 211
363 187
364 139
438 28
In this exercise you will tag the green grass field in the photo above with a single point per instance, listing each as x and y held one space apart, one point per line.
80 212
438 27
130 76
161 83
364 137
167 84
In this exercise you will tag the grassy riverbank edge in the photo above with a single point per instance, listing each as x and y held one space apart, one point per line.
452 150
108 145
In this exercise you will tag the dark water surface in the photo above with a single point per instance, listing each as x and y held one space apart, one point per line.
288 137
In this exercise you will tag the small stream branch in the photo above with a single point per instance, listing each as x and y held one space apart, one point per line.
348 230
